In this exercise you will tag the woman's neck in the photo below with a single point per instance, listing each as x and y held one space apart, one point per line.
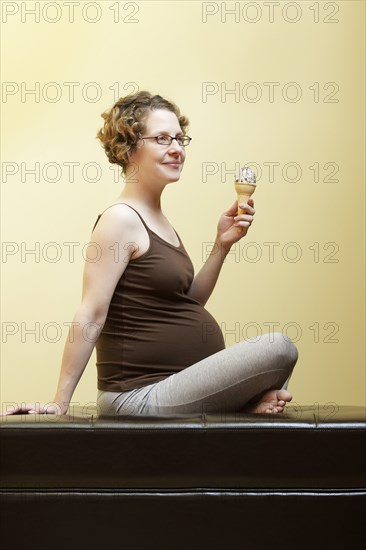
135 195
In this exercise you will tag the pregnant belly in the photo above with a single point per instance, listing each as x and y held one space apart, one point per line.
166 341
185 341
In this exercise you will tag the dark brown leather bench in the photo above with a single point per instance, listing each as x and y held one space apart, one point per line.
83 481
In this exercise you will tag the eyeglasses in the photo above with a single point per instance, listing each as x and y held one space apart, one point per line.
183 141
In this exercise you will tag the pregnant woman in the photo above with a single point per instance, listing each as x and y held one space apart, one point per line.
159 351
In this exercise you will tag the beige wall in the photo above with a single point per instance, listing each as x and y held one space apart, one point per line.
300 269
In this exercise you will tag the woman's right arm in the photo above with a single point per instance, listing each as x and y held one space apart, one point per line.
113 240
78 348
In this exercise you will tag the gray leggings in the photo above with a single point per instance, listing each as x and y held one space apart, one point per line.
223 382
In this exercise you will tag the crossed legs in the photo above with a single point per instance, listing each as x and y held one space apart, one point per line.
250 376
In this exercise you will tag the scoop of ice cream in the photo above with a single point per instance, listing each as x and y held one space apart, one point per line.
246 175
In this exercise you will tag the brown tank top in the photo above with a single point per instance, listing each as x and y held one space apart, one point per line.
153 328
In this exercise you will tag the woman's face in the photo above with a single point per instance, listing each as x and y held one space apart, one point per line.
153 162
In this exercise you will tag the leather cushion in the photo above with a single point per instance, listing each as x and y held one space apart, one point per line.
305 448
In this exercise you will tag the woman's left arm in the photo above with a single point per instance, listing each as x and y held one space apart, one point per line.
227 235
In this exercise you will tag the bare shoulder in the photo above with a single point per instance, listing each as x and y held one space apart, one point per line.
120 215
112 245
121 224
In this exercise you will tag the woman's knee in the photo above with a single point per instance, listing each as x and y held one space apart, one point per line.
284 348
278 347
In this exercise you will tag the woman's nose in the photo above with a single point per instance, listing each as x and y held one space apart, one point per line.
175 146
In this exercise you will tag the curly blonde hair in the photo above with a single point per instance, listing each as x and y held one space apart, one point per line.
124 124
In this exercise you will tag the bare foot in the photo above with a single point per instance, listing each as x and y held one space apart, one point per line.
272 402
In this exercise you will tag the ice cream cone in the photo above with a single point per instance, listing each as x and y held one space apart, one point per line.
245 186
244 192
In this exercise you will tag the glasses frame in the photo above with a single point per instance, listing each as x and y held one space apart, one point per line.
171 139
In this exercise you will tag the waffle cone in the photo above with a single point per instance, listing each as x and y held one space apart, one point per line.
244 192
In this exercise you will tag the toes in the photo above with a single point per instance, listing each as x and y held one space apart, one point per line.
284 395
272 402
274 409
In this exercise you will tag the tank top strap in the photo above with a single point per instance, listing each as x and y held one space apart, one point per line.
139 215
